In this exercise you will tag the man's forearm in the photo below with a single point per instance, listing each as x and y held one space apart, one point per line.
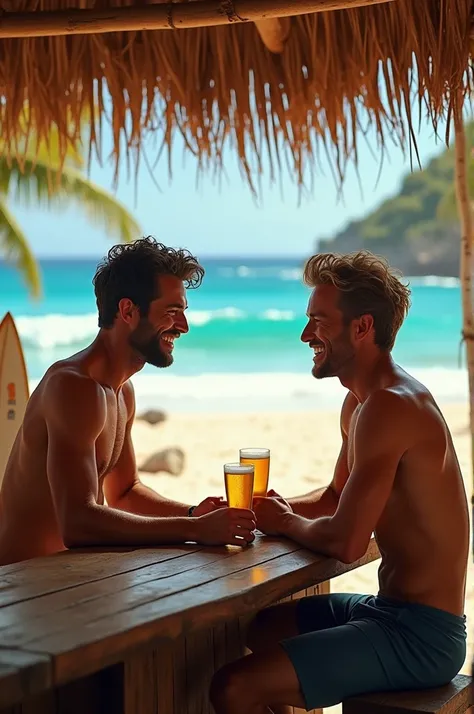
322 502
101 525
145 501
318 535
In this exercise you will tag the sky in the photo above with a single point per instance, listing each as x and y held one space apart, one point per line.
226 220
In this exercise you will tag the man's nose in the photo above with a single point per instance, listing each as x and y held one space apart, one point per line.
182 324
307 334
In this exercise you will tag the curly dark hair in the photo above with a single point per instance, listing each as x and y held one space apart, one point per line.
130 271
368 285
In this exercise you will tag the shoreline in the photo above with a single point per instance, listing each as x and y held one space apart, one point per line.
257 392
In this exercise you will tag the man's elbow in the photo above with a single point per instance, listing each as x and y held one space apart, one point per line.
350 551
78 530
122 499
75 539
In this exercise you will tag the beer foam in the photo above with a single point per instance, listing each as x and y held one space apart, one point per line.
238 468
254 453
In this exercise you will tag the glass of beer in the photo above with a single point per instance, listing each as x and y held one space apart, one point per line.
239 485
260 458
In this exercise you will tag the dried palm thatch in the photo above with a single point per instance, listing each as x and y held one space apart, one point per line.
337 73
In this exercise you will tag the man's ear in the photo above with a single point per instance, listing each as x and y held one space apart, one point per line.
127 310
363 326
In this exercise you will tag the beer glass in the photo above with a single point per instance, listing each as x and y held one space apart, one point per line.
239 485
260 458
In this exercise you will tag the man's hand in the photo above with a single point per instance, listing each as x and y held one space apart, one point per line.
271 493
213 503
270 512
226 526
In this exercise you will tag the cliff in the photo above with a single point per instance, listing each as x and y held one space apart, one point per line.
416 230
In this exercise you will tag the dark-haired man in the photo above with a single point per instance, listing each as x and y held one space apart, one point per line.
397 475
74 452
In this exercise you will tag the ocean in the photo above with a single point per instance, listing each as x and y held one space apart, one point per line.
243 350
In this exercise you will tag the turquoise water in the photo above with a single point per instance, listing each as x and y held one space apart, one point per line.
246 318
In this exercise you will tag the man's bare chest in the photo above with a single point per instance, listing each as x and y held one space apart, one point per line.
110 442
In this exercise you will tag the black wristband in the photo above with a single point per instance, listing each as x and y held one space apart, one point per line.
191 510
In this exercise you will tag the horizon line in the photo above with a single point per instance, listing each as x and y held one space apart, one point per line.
100 256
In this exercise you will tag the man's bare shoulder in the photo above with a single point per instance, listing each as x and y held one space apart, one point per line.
403 408
64 379
72 397
392 401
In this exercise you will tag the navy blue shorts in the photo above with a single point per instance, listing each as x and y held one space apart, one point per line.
356 644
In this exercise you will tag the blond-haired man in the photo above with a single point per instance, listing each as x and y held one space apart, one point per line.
397 475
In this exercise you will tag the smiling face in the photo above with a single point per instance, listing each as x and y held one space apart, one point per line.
327 333
153 335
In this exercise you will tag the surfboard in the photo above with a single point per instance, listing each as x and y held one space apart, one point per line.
14 389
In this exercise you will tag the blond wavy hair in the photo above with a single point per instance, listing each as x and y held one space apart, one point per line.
368 286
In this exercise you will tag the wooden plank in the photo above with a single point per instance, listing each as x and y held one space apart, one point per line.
179 676
65 599
164 675
199 649
41 576
103 640
44 703
219 638
140 683
91 626
454 698
175 676
25 622
22 675
98 693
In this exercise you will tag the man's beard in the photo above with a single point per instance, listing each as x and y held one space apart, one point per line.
341 354
149 346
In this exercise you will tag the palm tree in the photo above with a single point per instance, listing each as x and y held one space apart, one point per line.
39 179
457 205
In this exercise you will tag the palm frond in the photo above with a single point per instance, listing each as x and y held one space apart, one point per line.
15 248
58 147
37 182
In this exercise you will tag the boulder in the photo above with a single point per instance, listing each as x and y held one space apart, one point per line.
152 416
170 460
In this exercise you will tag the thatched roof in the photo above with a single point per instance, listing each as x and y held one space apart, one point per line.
331 74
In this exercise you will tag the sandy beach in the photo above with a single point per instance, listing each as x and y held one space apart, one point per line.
304 447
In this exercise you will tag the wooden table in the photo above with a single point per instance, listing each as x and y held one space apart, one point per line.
139 631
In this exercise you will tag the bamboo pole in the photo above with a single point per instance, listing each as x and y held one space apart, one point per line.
163 16
466 266
274 33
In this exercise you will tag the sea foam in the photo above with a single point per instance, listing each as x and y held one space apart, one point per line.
46 332
272 391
